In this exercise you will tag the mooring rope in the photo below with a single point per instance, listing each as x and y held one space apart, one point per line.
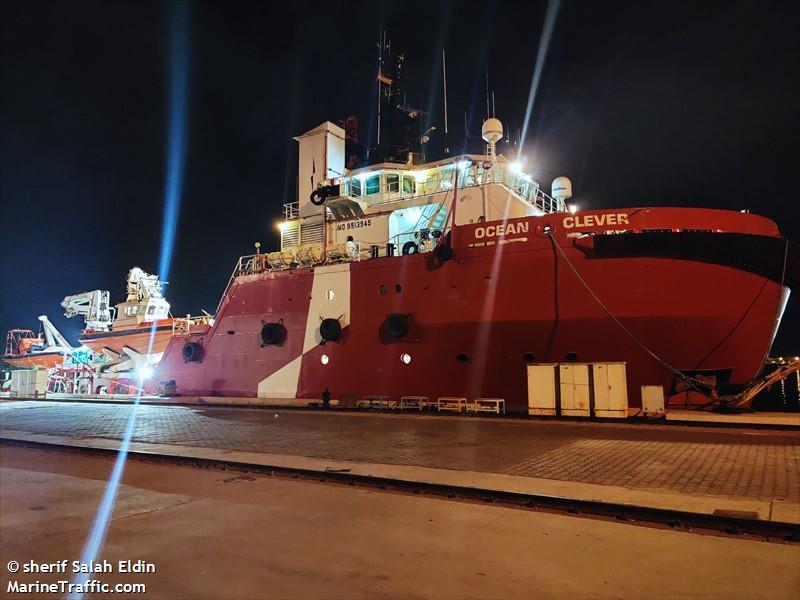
696 384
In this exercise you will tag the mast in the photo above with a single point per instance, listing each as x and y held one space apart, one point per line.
488 114
381 37
444 81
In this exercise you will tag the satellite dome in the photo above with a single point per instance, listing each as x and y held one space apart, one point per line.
492 130
561 188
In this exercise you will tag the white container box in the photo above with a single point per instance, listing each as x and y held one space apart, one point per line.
653 400
575 392
542 389
610 390
29 383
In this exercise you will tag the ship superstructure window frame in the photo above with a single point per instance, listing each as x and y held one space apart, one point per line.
409 185
355 187
372 185
392 182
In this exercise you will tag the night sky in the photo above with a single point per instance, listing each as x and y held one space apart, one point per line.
641 104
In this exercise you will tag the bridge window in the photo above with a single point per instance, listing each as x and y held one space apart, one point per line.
373 185
392 183
448 175
409 184
355 187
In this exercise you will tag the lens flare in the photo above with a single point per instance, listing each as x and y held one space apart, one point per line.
176 153
541 56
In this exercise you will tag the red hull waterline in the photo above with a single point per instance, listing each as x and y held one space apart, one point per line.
508 297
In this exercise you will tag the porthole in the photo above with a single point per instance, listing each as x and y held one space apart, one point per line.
528 357
324 359
383 289
405 359
462 357
571 357
398 288
330 295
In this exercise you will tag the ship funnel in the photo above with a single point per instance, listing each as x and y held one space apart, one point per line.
561 188
492 132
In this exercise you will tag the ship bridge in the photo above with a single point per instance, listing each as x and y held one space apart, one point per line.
395 208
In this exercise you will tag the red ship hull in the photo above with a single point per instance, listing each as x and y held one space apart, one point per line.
479 318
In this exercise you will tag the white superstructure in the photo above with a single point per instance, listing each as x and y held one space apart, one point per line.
396 208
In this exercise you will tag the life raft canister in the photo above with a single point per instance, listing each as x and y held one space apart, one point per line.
192 352
272 334
397 324
330 329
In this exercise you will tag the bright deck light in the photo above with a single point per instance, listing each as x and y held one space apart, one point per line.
516 168
572 208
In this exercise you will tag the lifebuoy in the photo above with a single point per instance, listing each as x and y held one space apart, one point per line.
330 329
397 324
410 247
192 352
272 334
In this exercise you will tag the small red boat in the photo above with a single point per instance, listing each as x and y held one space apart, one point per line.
28 350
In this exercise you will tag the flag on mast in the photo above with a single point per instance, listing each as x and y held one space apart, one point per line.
384 78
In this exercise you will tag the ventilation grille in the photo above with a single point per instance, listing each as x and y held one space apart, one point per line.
290 235
311 233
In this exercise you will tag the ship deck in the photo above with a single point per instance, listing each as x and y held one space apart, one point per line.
706 470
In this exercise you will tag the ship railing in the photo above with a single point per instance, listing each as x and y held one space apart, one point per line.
184 325
442 179
291 210
469 174
236 272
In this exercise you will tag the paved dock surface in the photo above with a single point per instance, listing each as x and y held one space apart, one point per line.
216 534
725 463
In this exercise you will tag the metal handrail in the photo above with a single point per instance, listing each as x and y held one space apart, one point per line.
183 325
291 210
441 180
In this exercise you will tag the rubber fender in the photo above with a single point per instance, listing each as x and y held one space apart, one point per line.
397 324
192 352
410 248
330 329
272 334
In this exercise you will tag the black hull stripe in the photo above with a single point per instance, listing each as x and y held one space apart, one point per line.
771 257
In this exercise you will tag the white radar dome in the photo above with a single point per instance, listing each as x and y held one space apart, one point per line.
492 130
561 188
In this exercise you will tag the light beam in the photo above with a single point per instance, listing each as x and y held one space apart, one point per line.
541 56
178 14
